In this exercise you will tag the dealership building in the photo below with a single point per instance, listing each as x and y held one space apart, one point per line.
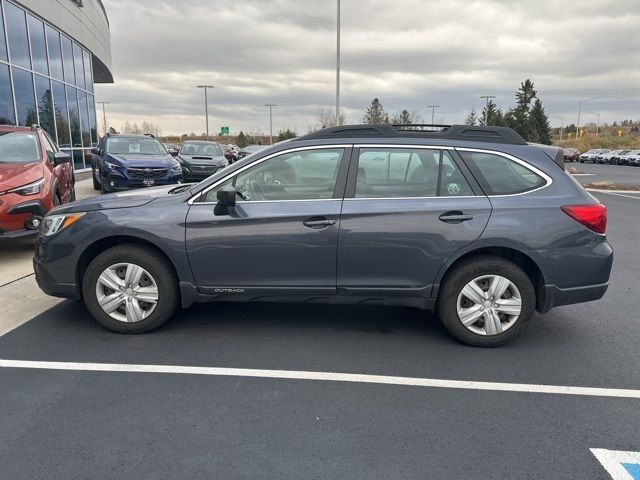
51 54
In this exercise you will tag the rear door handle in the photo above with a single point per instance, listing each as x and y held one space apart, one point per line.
318 222
455 217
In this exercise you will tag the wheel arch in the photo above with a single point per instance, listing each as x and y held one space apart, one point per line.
518 257
99 246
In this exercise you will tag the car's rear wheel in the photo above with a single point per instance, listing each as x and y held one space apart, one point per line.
486 301
130 289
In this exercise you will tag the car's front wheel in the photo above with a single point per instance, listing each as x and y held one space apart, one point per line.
130 289
486 301
96 182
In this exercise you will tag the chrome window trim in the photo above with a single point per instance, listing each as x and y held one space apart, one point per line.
517 160
415 198
192 200
402 146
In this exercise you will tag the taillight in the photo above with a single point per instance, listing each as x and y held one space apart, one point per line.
592 216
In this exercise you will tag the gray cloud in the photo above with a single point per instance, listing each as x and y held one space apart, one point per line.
409 54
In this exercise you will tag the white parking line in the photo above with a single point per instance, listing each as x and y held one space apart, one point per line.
615 193
324 376
614 462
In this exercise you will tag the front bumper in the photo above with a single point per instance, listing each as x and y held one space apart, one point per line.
198 172
18 218
49 285
117 181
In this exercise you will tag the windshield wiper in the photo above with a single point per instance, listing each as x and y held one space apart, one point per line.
179 189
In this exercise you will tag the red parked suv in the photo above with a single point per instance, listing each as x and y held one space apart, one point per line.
34 177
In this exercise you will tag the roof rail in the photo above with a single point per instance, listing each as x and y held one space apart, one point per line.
448 132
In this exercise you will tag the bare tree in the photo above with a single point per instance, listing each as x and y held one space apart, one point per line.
145 127
327 118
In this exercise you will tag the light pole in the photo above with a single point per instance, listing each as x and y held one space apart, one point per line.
561 123
338 65
270 105
433 111
206 105
104 115
579 110
486 109
597 124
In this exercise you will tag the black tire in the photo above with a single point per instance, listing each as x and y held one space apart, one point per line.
57 201
464 273
103 186
150 260
96 183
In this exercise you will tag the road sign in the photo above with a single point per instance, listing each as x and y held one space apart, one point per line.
620 465
581 132
619 133
224 131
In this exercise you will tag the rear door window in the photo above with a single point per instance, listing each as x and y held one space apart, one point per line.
499 175
404 172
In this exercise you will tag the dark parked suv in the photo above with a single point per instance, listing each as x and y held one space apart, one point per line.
471 222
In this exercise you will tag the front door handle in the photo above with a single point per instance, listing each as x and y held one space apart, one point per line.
318 222
455 217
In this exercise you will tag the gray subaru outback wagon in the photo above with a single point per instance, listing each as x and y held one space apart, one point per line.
470 222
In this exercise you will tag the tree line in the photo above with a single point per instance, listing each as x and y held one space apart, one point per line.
527 117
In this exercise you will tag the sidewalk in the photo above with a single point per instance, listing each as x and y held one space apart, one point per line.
20 297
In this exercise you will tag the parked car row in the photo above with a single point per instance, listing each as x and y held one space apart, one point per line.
611 157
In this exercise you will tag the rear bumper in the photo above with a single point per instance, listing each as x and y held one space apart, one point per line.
555 296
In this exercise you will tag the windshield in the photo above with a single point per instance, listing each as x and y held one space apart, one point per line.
138 146
210 149
17 147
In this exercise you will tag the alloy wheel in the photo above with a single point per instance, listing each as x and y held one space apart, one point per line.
489 305
127 292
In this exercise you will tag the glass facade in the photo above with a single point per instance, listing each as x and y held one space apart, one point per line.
46 78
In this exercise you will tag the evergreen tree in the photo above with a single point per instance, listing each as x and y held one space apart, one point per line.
491 115
45 109
286 135
241 140
375 113
518 117
403 118
472 118
540 128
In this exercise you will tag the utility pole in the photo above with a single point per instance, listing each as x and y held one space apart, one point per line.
104 116
338 65
597 124
206 105
270 105
433 111
486 110
579 110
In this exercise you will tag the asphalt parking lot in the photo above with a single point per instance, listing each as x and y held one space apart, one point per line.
217 423
594 172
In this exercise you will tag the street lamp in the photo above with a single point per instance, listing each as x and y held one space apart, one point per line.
433 111
270 105
579 110
206 105
486 110
597 124
104 115
338 65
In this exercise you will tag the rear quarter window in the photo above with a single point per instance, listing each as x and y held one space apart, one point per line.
498 175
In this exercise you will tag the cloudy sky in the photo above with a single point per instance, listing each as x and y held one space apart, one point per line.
409 53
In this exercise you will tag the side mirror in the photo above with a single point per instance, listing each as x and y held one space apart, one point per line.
60 157
227 196
174 153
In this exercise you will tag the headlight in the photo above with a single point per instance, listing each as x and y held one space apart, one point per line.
52 224
29 189
111 166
